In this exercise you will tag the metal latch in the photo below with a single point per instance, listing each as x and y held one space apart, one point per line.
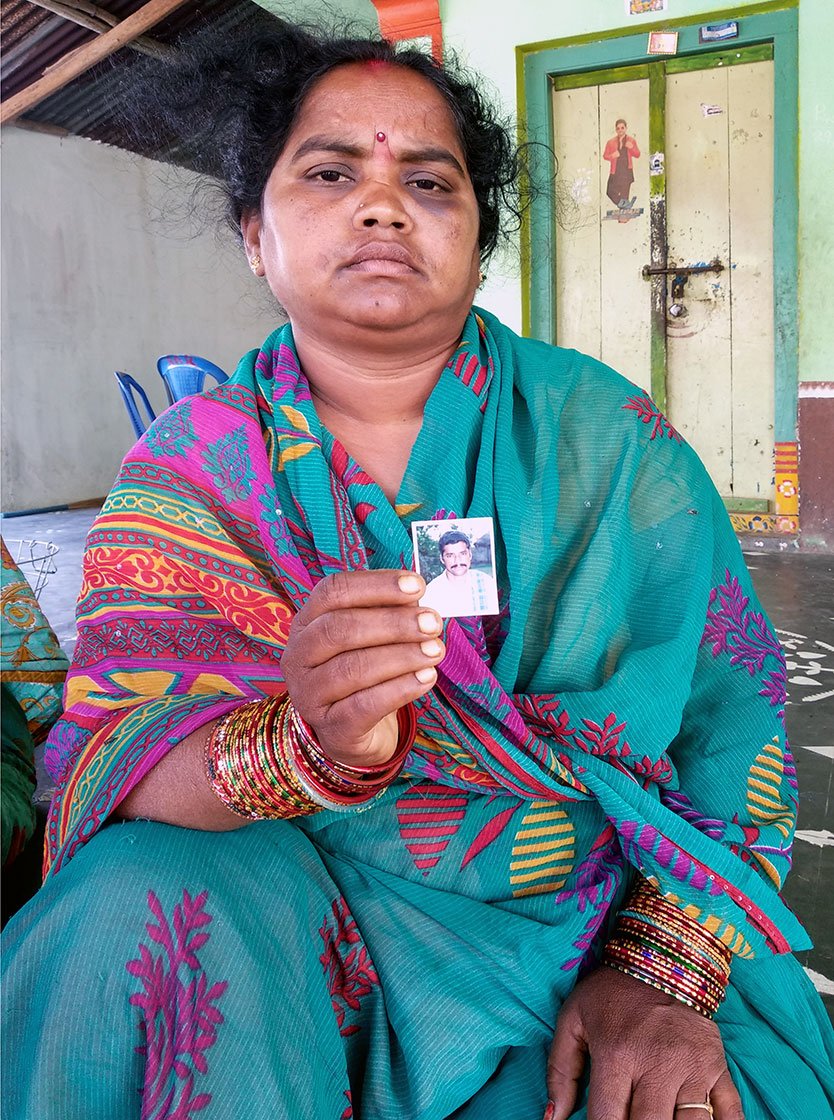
682 270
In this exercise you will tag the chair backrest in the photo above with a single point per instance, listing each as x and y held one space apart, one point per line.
130 386
184 374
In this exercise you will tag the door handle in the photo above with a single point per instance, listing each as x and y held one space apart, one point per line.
682 270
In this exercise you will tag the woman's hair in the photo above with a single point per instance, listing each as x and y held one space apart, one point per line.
227 105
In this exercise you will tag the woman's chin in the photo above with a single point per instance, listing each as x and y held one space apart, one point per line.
381 309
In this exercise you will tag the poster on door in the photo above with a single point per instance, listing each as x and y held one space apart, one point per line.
620 153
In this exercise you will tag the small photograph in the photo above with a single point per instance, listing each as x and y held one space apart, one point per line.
456 558
663 42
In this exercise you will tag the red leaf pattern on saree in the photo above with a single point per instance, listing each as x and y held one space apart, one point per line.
347 965
179 1016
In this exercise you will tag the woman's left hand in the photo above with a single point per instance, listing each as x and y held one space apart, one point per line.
649 1053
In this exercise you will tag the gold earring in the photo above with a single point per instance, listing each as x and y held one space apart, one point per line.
255 263
481 279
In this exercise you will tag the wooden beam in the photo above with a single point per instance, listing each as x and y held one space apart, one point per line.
100 20
91 53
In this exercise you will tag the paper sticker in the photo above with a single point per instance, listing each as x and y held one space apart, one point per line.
711 110
657 163
718 32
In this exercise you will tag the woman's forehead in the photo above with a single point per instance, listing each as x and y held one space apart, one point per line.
362 98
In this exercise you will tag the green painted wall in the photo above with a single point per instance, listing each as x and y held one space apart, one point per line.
485 34
816 197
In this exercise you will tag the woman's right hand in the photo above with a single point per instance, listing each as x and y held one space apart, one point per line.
360 649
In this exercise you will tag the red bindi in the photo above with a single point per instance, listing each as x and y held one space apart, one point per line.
381 137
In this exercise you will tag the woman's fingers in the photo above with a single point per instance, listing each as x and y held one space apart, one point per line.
609 1092
725 1101
653 1099
386 587
649 1054
361 669
346 731
360 649
360 628
565 1063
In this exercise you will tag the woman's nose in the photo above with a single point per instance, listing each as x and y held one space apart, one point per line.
381 204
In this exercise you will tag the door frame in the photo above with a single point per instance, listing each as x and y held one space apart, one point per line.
538 64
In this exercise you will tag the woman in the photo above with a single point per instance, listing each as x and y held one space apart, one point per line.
252 648
33 671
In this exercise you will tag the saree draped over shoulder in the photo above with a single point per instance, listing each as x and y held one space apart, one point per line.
622 714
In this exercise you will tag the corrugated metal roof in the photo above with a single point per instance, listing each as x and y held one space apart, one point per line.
35 39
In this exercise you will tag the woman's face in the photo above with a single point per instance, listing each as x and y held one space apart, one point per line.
368 218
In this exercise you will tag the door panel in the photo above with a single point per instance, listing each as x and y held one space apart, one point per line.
579 322
598 289
698 350
750 127
624 247
717 115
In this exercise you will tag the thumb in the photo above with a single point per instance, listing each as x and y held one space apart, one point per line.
565 1063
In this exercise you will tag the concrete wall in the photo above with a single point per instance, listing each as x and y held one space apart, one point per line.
94 278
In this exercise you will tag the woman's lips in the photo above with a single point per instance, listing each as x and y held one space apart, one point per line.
382 259
381 266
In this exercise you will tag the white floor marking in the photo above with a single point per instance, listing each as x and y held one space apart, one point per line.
826 752
822 838
823 985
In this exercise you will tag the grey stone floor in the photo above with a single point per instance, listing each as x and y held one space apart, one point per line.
797 590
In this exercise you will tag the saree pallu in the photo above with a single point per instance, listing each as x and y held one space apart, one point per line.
623 713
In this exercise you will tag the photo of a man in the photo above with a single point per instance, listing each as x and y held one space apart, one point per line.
460 590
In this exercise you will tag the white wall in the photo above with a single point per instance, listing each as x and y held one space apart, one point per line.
95 279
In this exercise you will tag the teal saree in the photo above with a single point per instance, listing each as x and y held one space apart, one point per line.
623 714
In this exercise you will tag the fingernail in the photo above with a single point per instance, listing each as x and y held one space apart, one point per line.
427 621
425 676
550 1111
410 584
432 648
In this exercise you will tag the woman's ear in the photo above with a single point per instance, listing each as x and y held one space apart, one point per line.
250 228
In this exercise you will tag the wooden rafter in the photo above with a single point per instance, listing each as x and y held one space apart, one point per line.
82 59
100 20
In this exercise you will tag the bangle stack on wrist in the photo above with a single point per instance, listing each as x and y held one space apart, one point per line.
657 943
264 762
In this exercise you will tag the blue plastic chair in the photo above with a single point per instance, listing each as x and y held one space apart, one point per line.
184 374
130 386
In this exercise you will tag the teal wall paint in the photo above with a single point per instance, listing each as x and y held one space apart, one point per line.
816 198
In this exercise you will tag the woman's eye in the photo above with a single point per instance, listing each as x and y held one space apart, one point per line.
427 184
329 175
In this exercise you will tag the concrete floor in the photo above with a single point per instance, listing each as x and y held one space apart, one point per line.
797 590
